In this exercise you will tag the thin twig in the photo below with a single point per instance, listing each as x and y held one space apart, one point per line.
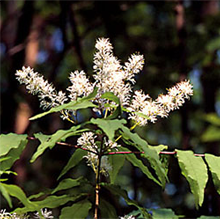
118 152
142 152
68 145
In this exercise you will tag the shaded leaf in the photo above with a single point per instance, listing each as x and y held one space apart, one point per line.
116 162
107 210
212 118
73 161
67 184
109 126
80 103
163 214
77 210
195 171
116 190
5 194
212 133
214 167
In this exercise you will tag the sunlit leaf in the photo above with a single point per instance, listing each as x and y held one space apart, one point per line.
139 164
17 192
49 202
109 126
10 141
49 141
151 154
214 167
80 103
111 96
5 194
195 171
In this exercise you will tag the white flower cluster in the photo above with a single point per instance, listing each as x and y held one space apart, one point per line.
80 85
128 217
45 213
36 85
87 140
7 215
143 109
111 76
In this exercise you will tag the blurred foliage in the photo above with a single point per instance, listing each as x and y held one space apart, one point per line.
148 27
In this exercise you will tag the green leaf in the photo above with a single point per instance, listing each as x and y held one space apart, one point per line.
111 96
107 210
5 194
50 202
13 155
73 161
77 210
213 44
195 171
117 113
150 153
80 103
8 172
208 217
163 214
116 161
36 196
158 148
116 190
17 192
109 126
67 184
212 118
11 140
49 141
214 167
138 163
212 133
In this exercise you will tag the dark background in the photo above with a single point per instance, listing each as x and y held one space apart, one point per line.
179 39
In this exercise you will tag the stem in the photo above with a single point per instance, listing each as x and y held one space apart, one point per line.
97 181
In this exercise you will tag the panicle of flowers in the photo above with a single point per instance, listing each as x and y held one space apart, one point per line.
45 213
87 141
36 85
80 85
143 109
110 75
134 66
7 215
128 217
